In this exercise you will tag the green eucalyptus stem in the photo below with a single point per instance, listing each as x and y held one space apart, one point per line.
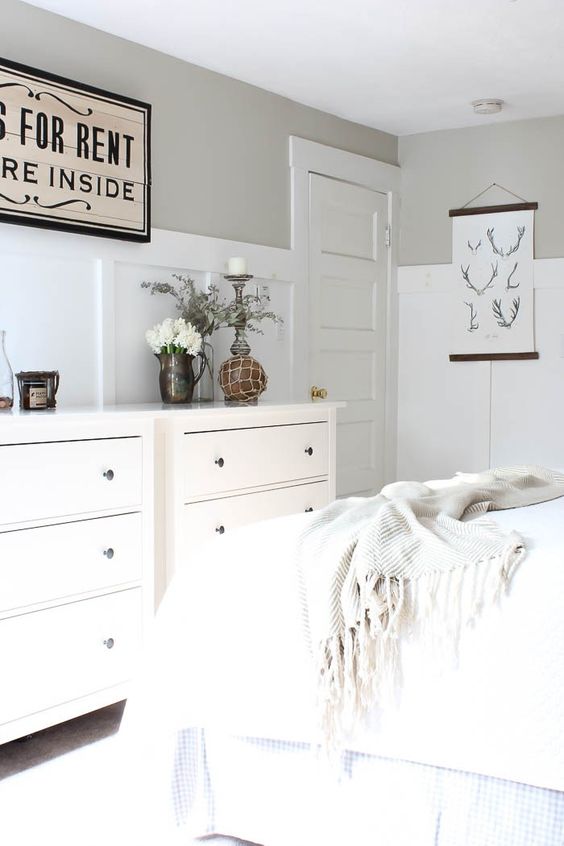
207 312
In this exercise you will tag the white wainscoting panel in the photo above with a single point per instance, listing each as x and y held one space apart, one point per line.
528 396
443 423
74 303
471 415
50 310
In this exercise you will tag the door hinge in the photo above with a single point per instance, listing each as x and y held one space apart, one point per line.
388 237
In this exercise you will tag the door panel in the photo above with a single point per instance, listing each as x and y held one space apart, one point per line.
346 218
348 281
335 370
346 303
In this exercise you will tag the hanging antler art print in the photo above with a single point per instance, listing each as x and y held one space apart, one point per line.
491 282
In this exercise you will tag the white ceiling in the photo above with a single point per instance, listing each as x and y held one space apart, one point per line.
404 66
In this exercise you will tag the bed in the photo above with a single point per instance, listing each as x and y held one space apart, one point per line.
222 730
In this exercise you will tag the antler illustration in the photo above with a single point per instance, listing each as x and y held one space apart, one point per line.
515 247
508 285
511 250
492 277
469 284
466 277
500 317
473 318
475 249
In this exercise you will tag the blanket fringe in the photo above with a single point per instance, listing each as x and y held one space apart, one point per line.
362 667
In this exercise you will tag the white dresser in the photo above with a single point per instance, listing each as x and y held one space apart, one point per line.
76 562
225 467
99 508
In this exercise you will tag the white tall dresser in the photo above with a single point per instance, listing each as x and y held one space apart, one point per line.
76 562
97 511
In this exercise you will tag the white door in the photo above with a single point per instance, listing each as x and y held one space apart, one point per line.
348 298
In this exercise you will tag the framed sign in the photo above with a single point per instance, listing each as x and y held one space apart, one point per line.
73 157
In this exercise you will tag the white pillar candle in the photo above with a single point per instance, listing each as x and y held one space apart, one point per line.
237 266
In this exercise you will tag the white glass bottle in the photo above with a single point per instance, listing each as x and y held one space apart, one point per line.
6 376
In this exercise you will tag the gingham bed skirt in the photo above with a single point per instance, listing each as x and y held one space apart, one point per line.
280 793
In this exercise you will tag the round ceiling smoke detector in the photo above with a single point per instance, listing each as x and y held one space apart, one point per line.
487 107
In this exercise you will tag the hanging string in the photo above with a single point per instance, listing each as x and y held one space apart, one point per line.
495 185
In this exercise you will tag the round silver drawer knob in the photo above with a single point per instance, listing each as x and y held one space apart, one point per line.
109 553
109 643
220 530
309 450
220 462
109 475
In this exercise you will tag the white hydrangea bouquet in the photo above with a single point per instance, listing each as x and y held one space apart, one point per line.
176 343
174 337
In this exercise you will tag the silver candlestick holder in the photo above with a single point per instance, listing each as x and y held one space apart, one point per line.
240 345
242 378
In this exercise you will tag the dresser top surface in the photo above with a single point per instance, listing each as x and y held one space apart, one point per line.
155 411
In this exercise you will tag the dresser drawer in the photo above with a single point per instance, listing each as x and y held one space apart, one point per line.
40 565
206 520
216 462
54 656
70 477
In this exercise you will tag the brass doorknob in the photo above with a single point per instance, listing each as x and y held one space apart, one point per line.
318 393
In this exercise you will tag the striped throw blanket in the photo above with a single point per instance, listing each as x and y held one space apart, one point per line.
404 561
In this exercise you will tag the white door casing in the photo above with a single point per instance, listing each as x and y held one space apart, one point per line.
348 303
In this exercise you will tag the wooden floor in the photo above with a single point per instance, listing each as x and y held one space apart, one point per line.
51 743
56 758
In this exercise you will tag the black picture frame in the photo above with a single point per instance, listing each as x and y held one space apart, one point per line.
25 77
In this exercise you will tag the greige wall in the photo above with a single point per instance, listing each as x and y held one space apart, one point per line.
220 147
469 416
443 170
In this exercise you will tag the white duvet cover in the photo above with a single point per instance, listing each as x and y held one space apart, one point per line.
229 653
